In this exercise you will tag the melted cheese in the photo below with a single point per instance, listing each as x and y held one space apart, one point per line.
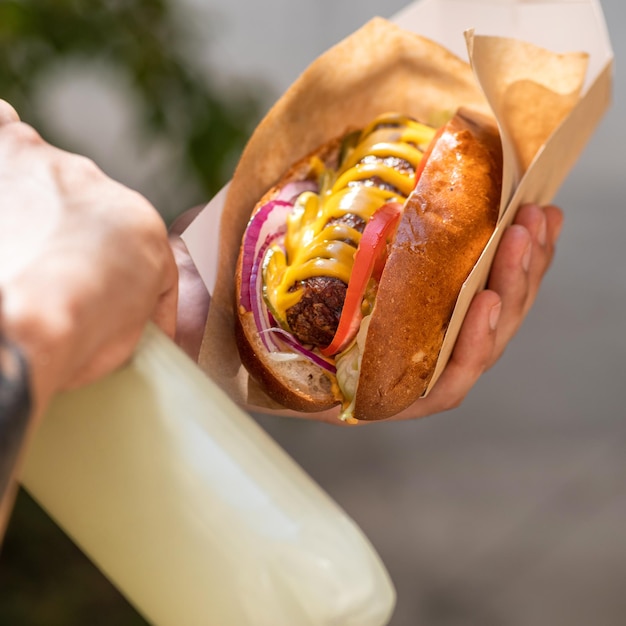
379 168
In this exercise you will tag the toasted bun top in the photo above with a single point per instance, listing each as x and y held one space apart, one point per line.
446 224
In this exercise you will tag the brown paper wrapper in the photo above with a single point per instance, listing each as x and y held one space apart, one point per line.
530 91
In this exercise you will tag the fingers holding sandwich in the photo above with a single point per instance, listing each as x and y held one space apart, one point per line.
523 258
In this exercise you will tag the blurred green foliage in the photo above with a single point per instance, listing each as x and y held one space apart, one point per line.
44 579
152 43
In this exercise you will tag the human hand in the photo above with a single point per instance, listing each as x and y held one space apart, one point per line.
84 263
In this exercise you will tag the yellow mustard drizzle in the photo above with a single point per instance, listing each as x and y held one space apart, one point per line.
367 178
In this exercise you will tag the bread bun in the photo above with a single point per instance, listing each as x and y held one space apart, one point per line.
446 224
447 221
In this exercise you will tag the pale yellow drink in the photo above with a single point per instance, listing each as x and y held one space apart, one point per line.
193 511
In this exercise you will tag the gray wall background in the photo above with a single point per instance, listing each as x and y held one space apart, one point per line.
510 510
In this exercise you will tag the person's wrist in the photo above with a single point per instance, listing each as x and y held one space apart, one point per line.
44 340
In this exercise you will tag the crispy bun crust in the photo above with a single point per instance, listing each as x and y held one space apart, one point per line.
447 222
298 385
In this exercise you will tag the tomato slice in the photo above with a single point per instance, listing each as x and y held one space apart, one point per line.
369 260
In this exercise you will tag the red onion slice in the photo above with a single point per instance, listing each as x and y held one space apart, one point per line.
262 317
295 345
266 222
266 227
292 190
